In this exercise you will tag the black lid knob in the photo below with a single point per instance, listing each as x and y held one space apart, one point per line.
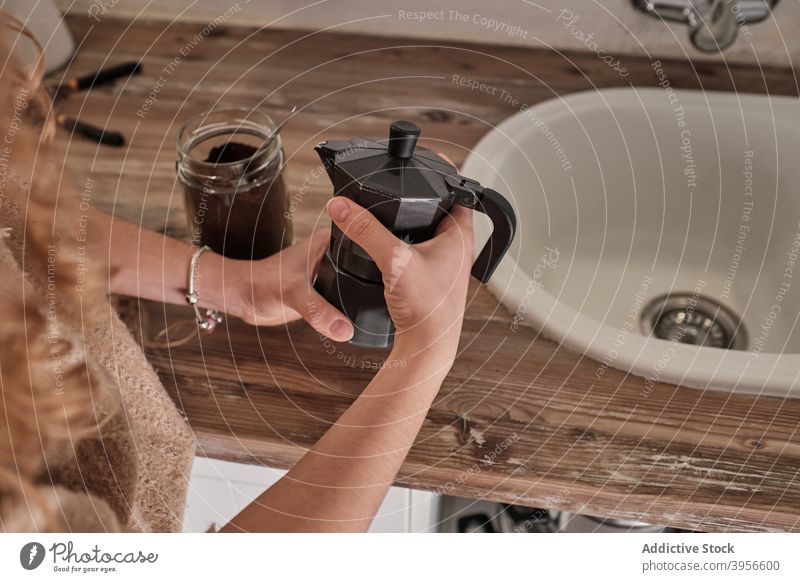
403 139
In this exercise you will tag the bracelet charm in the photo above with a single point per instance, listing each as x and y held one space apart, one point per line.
206 322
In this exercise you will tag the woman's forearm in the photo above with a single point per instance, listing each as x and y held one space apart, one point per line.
144 263
272 291
340 483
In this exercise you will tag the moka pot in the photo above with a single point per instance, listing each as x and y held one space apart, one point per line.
409 189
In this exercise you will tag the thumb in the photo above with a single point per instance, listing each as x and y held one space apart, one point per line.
361 227
321 315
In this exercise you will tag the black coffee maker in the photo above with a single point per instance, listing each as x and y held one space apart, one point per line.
409 189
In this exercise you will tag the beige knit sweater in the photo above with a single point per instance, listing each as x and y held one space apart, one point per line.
133 474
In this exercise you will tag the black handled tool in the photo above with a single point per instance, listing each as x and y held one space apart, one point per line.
101 77
98 78
98 134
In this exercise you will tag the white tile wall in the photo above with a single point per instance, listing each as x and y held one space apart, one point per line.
218 490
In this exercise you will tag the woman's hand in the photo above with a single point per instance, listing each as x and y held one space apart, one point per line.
340 483
425 284
279 289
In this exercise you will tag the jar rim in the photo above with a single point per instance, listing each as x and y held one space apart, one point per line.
185 146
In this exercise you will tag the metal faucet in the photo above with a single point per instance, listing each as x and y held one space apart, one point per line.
713 24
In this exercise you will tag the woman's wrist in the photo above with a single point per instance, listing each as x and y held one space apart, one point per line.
219 282
431 356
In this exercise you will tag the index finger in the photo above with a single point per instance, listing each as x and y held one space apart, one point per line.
458 223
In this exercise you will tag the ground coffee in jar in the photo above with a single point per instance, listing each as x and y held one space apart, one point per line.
235 196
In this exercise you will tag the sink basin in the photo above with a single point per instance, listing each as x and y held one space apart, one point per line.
659 233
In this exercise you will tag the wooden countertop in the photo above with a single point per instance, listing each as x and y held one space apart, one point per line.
519 419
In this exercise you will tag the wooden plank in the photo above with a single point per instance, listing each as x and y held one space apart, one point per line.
674 456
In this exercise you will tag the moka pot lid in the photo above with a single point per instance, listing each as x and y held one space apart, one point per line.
395 167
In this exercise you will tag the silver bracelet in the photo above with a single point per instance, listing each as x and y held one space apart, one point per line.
208 322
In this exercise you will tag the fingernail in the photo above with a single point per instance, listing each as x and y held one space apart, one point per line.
340 328
338 209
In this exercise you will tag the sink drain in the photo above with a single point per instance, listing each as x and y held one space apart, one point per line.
695 320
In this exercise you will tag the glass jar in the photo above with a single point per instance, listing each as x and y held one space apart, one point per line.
236 200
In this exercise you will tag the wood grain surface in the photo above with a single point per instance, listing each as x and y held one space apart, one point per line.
519 419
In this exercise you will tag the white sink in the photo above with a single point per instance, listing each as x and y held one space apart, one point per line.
625 195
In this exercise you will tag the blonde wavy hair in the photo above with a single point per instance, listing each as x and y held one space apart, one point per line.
45 379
